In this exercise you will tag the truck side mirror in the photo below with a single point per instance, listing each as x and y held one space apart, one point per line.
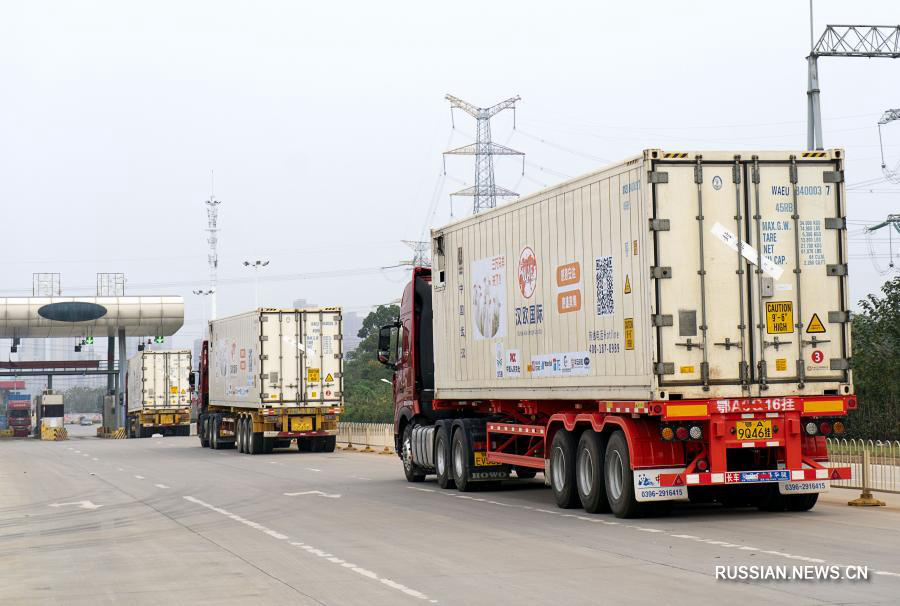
384 344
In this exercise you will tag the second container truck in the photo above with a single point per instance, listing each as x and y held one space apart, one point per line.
158 392
269 377
672 327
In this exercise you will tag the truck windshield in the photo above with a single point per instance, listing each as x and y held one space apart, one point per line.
19 413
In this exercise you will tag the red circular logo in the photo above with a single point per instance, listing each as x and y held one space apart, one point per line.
817 356
527 272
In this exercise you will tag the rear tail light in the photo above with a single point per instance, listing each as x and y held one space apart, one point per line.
837 427
681 433
825 428
811 428
702 465
667 433
696 432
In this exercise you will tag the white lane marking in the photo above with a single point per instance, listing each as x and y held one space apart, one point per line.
690 537
95 459
81 504
120 469
360 478
315 492
161 486
139 477
77 452
328 557
313 469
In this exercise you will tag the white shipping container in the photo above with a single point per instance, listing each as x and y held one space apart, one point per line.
159 379
672 275
277 358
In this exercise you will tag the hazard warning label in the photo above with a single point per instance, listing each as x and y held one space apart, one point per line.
815 325
627 285
647 486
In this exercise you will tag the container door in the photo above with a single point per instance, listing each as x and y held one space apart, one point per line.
321 376
157 379
178 370
281 340
700 276
799 294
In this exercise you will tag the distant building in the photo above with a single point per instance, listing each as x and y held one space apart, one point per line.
352 324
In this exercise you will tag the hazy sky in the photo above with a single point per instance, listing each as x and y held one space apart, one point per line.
324 123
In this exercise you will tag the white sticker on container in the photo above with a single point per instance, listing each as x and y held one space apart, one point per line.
749 253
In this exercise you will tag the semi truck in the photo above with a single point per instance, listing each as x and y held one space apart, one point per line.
269 377
18 411
158 393
672 327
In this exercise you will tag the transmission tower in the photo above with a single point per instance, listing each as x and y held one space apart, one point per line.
484 191
421 252
868 41
892 175
212 216
891 221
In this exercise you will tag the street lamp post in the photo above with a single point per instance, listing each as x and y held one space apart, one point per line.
255 265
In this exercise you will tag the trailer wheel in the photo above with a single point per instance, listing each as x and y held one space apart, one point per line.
214 433
329 443
268 445
202 433
460 457
304 444
254 440
618 478
239 434
772 499
244 430
442 458
589 463
413 472
562 469
801 502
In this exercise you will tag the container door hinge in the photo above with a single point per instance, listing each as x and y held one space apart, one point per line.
660 272
836 269
664 368
659 225
661 320
835 223
838 317
840 364
657 176
263 338
833 176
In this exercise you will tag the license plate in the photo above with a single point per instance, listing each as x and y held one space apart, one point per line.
481 460
301 424
753 430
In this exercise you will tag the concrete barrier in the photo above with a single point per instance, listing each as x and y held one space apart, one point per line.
366 437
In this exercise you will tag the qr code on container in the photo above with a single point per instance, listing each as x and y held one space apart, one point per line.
605 302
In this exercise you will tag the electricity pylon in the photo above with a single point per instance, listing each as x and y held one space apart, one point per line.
212 216
485 191
843 41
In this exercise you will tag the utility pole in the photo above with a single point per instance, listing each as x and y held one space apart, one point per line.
204 293
255 265
485 191
889 116
871 41
212 216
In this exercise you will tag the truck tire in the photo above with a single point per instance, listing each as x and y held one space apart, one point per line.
239 434
618 478
442 465
329 443
460 457
772 499
562 469
413 472
304 444
202 433
589 463
214 433
801 502
254 441
268 445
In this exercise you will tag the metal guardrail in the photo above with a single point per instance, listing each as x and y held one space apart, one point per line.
875 464
366 437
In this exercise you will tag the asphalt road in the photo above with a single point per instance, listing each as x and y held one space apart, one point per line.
161 520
